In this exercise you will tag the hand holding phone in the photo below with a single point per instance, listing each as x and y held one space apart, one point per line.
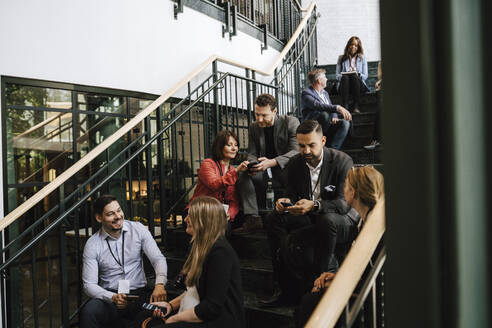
152 307
281 204
251 164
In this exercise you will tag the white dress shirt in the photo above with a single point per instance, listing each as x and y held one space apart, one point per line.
323 97
101 271
315 176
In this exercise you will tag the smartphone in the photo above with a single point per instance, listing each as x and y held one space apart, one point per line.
251 164
285 204
152 307
132 298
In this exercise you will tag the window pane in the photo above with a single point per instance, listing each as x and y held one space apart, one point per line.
101 103
37 97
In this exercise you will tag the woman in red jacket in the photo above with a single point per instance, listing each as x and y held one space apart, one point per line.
217 178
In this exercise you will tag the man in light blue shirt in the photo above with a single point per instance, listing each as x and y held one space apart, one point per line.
113 274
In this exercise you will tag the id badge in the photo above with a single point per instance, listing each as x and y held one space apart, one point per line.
123 286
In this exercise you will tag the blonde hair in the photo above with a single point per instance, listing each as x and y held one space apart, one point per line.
368 184
209 222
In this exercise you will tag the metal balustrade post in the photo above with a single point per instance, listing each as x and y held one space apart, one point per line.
178 8
253 18
264 46
234 22
162 174
34 274
63 263
275 79
148 164
215 117
248 97
226 28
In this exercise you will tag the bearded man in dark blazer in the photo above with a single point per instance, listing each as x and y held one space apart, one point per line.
316 179
271 143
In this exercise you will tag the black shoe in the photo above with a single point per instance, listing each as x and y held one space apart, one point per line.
278 299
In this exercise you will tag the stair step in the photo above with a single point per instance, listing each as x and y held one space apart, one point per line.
364 117
257 274
363 156
363 129
355 142
258 317
251 246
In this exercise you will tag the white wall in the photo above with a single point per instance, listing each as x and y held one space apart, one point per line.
341 19
124 44
121 44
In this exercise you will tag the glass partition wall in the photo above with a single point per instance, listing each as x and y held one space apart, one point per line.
49 126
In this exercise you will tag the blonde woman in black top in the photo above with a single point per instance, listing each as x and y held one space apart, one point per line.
212 268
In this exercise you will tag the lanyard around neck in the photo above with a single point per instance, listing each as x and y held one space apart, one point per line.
122 263
223 194
313 189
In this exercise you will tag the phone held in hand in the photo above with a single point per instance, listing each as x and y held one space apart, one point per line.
251 164
132 298
153 307
286 204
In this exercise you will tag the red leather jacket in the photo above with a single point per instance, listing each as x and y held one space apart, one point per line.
212 183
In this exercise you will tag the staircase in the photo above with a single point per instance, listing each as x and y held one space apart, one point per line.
151 162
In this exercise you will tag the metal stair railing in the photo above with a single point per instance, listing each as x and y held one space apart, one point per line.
150 164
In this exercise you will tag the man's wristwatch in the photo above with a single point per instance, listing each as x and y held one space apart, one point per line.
316 206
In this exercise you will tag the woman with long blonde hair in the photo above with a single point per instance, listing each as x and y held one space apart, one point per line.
214 295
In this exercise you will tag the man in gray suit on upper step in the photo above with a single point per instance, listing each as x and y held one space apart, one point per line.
271 142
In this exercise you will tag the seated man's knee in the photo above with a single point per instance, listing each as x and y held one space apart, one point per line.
344 125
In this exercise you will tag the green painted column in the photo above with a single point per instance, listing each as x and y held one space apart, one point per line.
435 157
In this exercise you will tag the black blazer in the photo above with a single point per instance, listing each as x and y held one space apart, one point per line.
333 173
220 288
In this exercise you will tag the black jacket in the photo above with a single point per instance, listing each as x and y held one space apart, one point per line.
220 288
333 173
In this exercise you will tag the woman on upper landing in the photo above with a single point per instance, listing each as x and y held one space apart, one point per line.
352 73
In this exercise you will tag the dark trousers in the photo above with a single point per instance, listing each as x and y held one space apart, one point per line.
328 230
335 133
97 313
252 189
351 84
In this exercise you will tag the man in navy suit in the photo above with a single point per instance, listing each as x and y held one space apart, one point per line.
316 105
